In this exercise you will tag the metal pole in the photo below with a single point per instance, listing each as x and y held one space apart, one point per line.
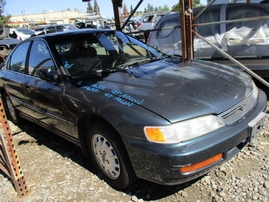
132 13
186 29
116 5
9 162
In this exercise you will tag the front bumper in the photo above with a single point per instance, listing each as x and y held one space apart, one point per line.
161 163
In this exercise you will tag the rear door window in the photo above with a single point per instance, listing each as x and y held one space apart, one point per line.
247 12
209 30
18 58
167 26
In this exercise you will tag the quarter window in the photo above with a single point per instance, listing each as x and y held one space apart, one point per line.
148 18
18 58
167 27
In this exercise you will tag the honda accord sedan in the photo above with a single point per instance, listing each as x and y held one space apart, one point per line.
136 112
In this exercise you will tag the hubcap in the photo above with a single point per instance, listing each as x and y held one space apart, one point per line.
105 156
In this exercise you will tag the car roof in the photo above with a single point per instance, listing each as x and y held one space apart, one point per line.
218 6
72 33
23 28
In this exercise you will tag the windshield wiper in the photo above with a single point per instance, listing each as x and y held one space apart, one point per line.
141 62
97 73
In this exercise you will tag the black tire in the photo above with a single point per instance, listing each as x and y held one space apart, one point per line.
11 113
118 174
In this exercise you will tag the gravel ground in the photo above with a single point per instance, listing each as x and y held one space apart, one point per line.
56 170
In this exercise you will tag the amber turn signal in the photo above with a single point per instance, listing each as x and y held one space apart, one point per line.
197 166
154 134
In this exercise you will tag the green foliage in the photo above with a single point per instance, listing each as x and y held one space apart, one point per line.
150 9
89 8
96 7
3 19
2 5
125 9
166 8
195 3
176 7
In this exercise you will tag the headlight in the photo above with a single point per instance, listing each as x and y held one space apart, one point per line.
255 90
184 130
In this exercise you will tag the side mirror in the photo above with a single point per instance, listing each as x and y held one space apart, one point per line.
46 73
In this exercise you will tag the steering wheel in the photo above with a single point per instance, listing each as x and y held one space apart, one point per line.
122 58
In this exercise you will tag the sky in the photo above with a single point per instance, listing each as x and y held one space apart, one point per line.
19 7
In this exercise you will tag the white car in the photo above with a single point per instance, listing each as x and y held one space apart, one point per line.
148 21
21 33
246 41
54 28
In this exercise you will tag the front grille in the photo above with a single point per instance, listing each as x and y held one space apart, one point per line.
238 111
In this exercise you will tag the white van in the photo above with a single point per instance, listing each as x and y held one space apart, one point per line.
247 41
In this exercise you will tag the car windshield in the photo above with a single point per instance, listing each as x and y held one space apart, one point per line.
26 31
103 51
70 27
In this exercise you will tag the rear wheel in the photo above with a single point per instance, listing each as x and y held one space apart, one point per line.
11 113
110 156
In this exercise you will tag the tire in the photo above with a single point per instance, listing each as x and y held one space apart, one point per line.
109 156
11 113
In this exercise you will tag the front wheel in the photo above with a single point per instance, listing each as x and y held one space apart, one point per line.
110 156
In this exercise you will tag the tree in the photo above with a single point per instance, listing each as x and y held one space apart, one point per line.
176 7
3 19
165 8
2 5
148 8
195 3
96 7
125 9
89 8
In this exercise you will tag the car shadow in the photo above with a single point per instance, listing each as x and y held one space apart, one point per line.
142 189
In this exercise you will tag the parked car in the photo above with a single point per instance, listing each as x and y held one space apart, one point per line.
148 22
54 28
7 43
21 33
131 28
96 23
246 41
136 111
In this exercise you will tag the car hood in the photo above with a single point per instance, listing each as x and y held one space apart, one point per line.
177 91
9 41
